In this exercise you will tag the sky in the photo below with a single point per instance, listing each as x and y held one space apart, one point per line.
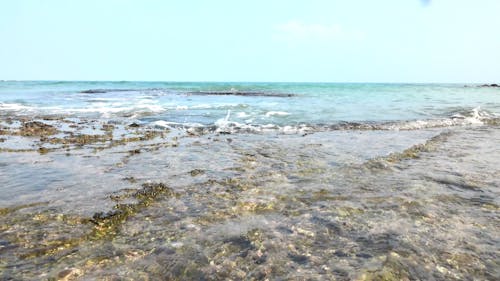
259 40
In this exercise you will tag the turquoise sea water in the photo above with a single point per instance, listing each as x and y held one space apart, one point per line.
249 181
287 103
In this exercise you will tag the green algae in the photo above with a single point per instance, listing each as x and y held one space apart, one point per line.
43 150
51 248
232 184
42 234
107 224
5 211
414 152
30 129
392 270
36 128
239 257
229 200
16 150
253 207
318 196
51 139
81 139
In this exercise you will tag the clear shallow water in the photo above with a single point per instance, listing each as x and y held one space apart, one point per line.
409 192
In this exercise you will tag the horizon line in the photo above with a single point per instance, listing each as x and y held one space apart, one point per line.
234 81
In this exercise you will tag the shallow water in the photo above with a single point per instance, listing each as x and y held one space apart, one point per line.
90 198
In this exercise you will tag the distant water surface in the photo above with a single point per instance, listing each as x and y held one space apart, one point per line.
278 104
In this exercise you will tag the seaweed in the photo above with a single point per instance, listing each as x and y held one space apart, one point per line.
36 128
414 152
107 224
8 210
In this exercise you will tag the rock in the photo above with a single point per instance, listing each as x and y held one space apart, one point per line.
36 128
490 86
69 274
196 172
43 150
298 258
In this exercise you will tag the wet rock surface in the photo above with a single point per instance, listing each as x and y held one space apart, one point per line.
394 206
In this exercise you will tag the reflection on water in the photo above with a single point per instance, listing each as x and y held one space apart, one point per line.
342 205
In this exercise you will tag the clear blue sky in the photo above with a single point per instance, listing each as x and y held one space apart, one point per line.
232 40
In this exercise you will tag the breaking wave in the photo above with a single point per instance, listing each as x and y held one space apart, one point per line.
225 125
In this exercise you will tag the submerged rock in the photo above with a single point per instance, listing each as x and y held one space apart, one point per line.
36 128
107 224
196 172
69 274
134 125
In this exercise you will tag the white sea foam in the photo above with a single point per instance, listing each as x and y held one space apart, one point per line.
14 107
166 124
242 115
202 106
277 113
97 109
161 124
474 117
115 109
224 123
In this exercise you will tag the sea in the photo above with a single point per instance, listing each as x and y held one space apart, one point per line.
249 181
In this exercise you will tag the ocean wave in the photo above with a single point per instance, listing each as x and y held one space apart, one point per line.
476 116
242 121
14 107
225 125
96 110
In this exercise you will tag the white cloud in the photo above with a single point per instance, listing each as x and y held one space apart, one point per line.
297 30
